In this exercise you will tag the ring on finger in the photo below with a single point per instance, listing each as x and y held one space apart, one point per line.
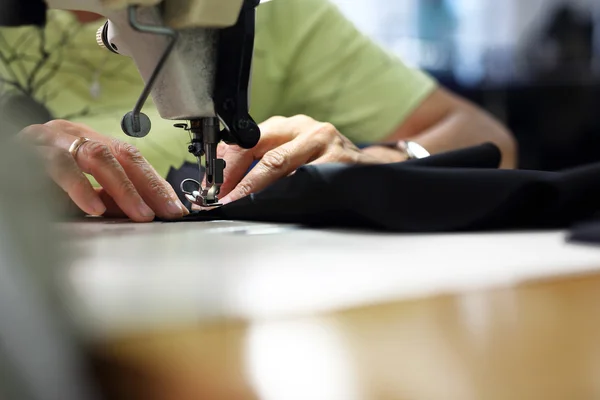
76 145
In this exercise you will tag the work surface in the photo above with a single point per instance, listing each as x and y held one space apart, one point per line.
227 310
131 276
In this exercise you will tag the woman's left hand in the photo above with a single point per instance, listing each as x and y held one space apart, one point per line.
285 145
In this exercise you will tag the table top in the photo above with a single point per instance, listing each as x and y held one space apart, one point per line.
231 310
129 278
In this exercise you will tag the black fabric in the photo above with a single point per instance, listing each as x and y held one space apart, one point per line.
585 233
22 12
456 191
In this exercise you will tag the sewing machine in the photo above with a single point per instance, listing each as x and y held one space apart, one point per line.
195 57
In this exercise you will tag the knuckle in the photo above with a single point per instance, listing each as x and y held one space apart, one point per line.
157 187
79 125
338 156
275 160
302 119
351 157
327 126
276 118
244 189
272 124
326 134
127 151
73 128
97 151
58 124
339 142
327 129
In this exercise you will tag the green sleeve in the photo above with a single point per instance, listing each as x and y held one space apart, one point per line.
336 74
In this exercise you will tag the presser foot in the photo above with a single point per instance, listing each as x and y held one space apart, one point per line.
207 197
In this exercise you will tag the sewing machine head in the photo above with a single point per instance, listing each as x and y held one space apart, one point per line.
195 57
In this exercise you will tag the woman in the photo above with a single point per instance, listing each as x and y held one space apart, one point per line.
335 87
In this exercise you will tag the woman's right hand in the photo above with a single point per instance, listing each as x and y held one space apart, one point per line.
130 185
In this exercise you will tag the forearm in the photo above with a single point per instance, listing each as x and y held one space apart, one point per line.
446 122
465 128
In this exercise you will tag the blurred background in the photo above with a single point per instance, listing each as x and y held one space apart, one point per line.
535 64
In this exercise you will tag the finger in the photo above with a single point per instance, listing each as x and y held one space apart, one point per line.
172 193
237 163
112 208
42 135
77 130
275 165
279 130
274 132
63 169
96 159
155 191
60 134
345 156
380 154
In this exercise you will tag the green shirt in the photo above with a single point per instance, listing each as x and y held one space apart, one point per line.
309 59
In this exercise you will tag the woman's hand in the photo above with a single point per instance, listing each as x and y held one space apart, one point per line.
130 186
285 145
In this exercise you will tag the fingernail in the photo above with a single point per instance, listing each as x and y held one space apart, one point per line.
225 200
145 210
98 207
174 208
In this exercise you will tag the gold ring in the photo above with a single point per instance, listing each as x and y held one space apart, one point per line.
74 148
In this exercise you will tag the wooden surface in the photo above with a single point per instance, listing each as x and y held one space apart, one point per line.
534 336
535 341
129 278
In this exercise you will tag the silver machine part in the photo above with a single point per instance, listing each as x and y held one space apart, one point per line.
210 127
183 90
205 138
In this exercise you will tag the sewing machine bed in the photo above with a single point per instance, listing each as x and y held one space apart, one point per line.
128 277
